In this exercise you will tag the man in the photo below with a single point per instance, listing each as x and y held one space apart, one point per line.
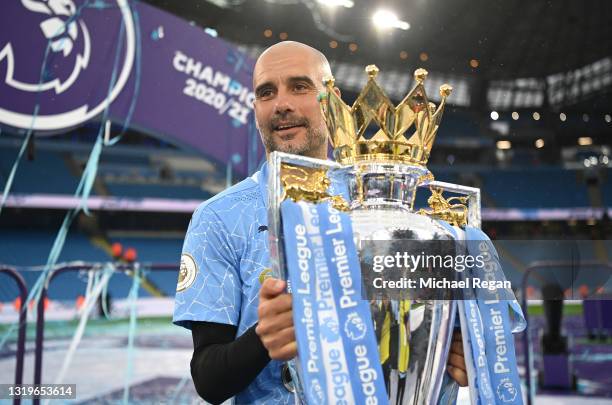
241 322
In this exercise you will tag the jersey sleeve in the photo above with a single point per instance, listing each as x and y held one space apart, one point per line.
209 284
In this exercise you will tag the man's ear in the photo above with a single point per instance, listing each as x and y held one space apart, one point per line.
337 91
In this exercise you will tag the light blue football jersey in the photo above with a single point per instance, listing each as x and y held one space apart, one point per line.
224 253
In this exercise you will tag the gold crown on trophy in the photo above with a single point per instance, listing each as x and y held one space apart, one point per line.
405 133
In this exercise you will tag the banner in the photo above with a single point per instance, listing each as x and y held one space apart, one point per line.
337 351
164 76
487 326
497 323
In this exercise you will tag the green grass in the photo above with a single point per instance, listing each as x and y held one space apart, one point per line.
568 310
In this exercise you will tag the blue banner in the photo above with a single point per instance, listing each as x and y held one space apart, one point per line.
488 319
494 306
299 247
480 384
337 352
61 67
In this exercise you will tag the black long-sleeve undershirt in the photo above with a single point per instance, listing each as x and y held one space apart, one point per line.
223 365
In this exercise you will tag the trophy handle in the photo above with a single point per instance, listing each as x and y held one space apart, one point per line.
276 194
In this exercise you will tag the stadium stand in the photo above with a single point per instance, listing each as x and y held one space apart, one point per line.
47 173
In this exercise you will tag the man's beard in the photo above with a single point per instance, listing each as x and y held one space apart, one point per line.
309 146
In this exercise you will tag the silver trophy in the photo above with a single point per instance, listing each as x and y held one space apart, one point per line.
381 176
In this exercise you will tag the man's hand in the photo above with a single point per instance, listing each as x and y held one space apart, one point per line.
275 327
456 361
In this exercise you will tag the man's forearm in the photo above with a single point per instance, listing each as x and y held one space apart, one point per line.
222 366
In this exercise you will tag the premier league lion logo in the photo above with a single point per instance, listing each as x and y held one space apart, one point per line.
58 55
354 327
61 31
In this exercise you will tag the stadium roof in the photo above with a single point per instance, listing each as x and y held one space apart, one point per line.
562 48
509 39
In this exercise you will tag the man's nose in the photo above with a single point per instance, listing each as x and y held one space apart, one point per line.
283 104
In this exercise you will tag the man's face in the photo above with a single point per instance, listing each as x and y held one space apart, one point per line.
287 82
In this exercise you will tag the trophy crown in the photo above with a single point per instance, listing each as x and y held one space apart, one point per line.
405 134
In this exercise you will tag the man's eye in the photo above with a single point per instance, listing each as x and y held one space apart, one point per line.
301 87
265 93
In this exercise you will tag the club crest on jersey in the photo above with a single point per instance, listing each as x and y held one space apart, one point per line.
187 272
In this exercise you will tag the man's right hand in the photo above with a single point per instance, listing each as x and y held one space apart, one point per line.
275 327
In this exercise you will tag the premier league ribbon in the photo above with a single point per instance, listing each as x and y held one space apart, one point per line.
488 319
337 351
501 316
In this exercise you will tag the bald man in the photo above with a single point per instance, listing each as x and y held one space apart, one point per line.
241 322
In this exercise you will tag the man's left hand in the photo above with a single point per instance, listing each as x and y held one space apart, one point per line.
456 361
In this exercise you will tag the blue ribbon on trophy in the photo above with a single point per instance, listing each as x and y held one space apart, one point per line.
488 318
501 316
337 351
